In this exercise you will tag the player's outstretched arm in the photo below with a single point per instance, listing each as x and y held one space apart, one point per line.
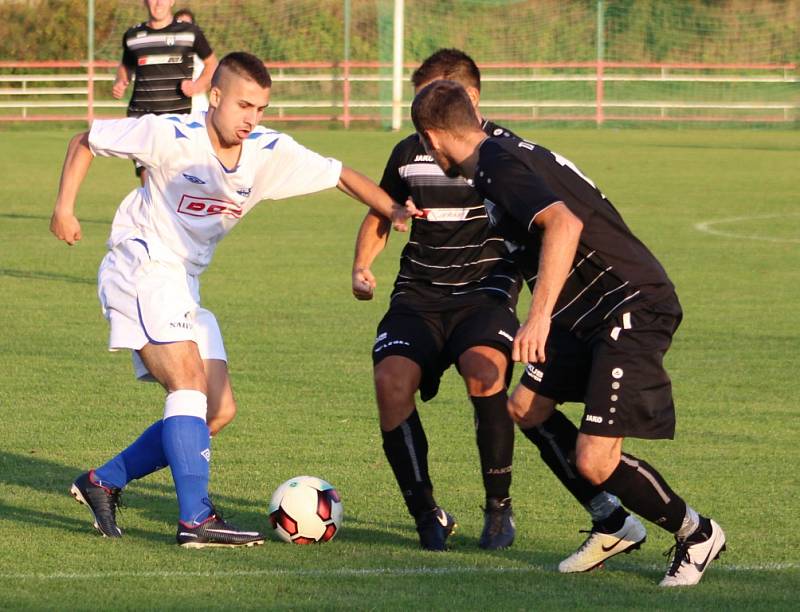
371 240
358 186
561 230
63 223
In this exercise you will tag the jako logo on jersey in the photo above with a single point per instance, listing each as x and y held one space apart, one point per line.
594 419
423 158
193 179
244 191
205 207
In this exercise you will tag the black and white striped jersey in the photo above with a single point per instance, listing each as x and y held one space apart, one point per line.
160 60
453 251
612 267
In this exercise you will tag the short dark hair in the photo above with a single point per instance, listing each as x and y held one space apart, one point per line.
184 12
244 64
444 105
450 64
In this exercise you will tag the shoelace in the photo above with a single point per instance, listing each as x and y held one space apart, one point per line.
115 497
218 514
681 549
588 539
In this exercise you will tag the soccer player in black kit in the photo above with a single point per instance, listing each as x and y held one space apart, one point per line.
602 314
160 54
454 301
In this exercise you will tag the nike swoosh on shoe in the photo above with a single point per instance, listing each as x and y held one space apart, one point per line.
615 544
700 567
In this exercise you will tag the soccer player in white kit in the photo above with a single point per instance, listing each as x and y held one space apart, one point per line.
205 172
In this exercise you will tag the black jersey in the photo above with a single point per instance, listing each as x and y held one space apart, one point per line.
452 252
161 59
612 267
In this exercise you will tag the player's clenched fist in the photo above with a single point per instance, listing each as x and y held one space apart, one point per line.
363 284
65 227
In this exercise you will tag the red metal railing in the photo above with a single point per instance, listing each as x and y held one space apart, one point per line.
598 110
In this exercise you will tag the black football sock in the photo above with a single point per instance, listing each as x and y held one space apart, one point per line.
494 433
406 448
642 489
555 439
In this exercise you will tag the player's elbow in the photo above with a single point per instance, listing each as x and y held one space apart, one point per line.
572 223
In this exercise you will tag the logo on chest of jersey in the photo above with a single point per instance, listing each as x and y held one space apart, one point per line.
423 158
193 179
154 60
206 207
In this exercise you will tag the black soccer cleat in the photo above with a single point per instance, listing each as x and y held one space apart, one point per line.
498 524
434 527
101 501
215 532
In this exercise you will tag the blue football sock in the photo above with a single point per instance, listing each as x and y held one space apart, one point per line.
187 446
143 457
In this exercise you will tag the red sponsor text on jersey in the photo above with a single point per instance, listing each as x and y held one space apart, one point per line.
204 207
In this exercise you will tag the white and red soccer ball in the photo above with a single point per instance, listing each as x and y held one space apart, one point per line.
305 510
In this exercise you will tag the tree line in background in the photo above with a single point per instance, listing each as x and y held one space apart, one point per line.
541 30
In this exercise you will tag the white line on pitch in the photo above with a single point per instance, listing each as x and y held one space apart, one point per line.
706 226
367 572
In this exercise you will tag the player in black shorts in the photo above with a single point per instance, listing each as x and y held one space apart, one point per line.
602 315
453 302
160 54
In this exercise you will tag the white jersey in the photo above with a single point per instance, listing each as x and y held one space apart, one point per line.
190 200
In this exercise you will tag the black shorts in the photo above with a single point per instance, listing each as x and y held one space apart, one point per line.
617 373
435 339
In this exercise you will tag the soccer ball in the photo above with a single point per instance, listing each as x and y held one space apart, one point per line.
305 509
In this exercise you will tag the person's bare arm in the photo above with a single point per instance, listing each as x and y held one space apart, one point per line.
561 230
121 81
63 223
363 189
192 88
371 240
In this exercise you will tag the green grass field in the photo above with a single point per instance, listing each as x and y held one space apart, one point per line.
299 349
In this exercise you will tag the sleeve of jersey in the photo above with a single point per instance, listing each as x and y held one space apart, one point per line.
138 138
201 45
128 58
508 183
391 182
290 169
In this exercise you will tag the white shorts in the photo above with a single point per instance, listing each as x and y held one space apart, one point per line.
153 301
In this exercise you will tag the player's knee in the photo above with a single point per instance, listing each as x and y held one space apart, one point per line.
519 411
392 386
590 466
483 371
528 409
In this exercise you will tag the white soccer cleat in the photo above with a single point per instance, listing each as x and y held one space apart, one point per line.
601 546
692 558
